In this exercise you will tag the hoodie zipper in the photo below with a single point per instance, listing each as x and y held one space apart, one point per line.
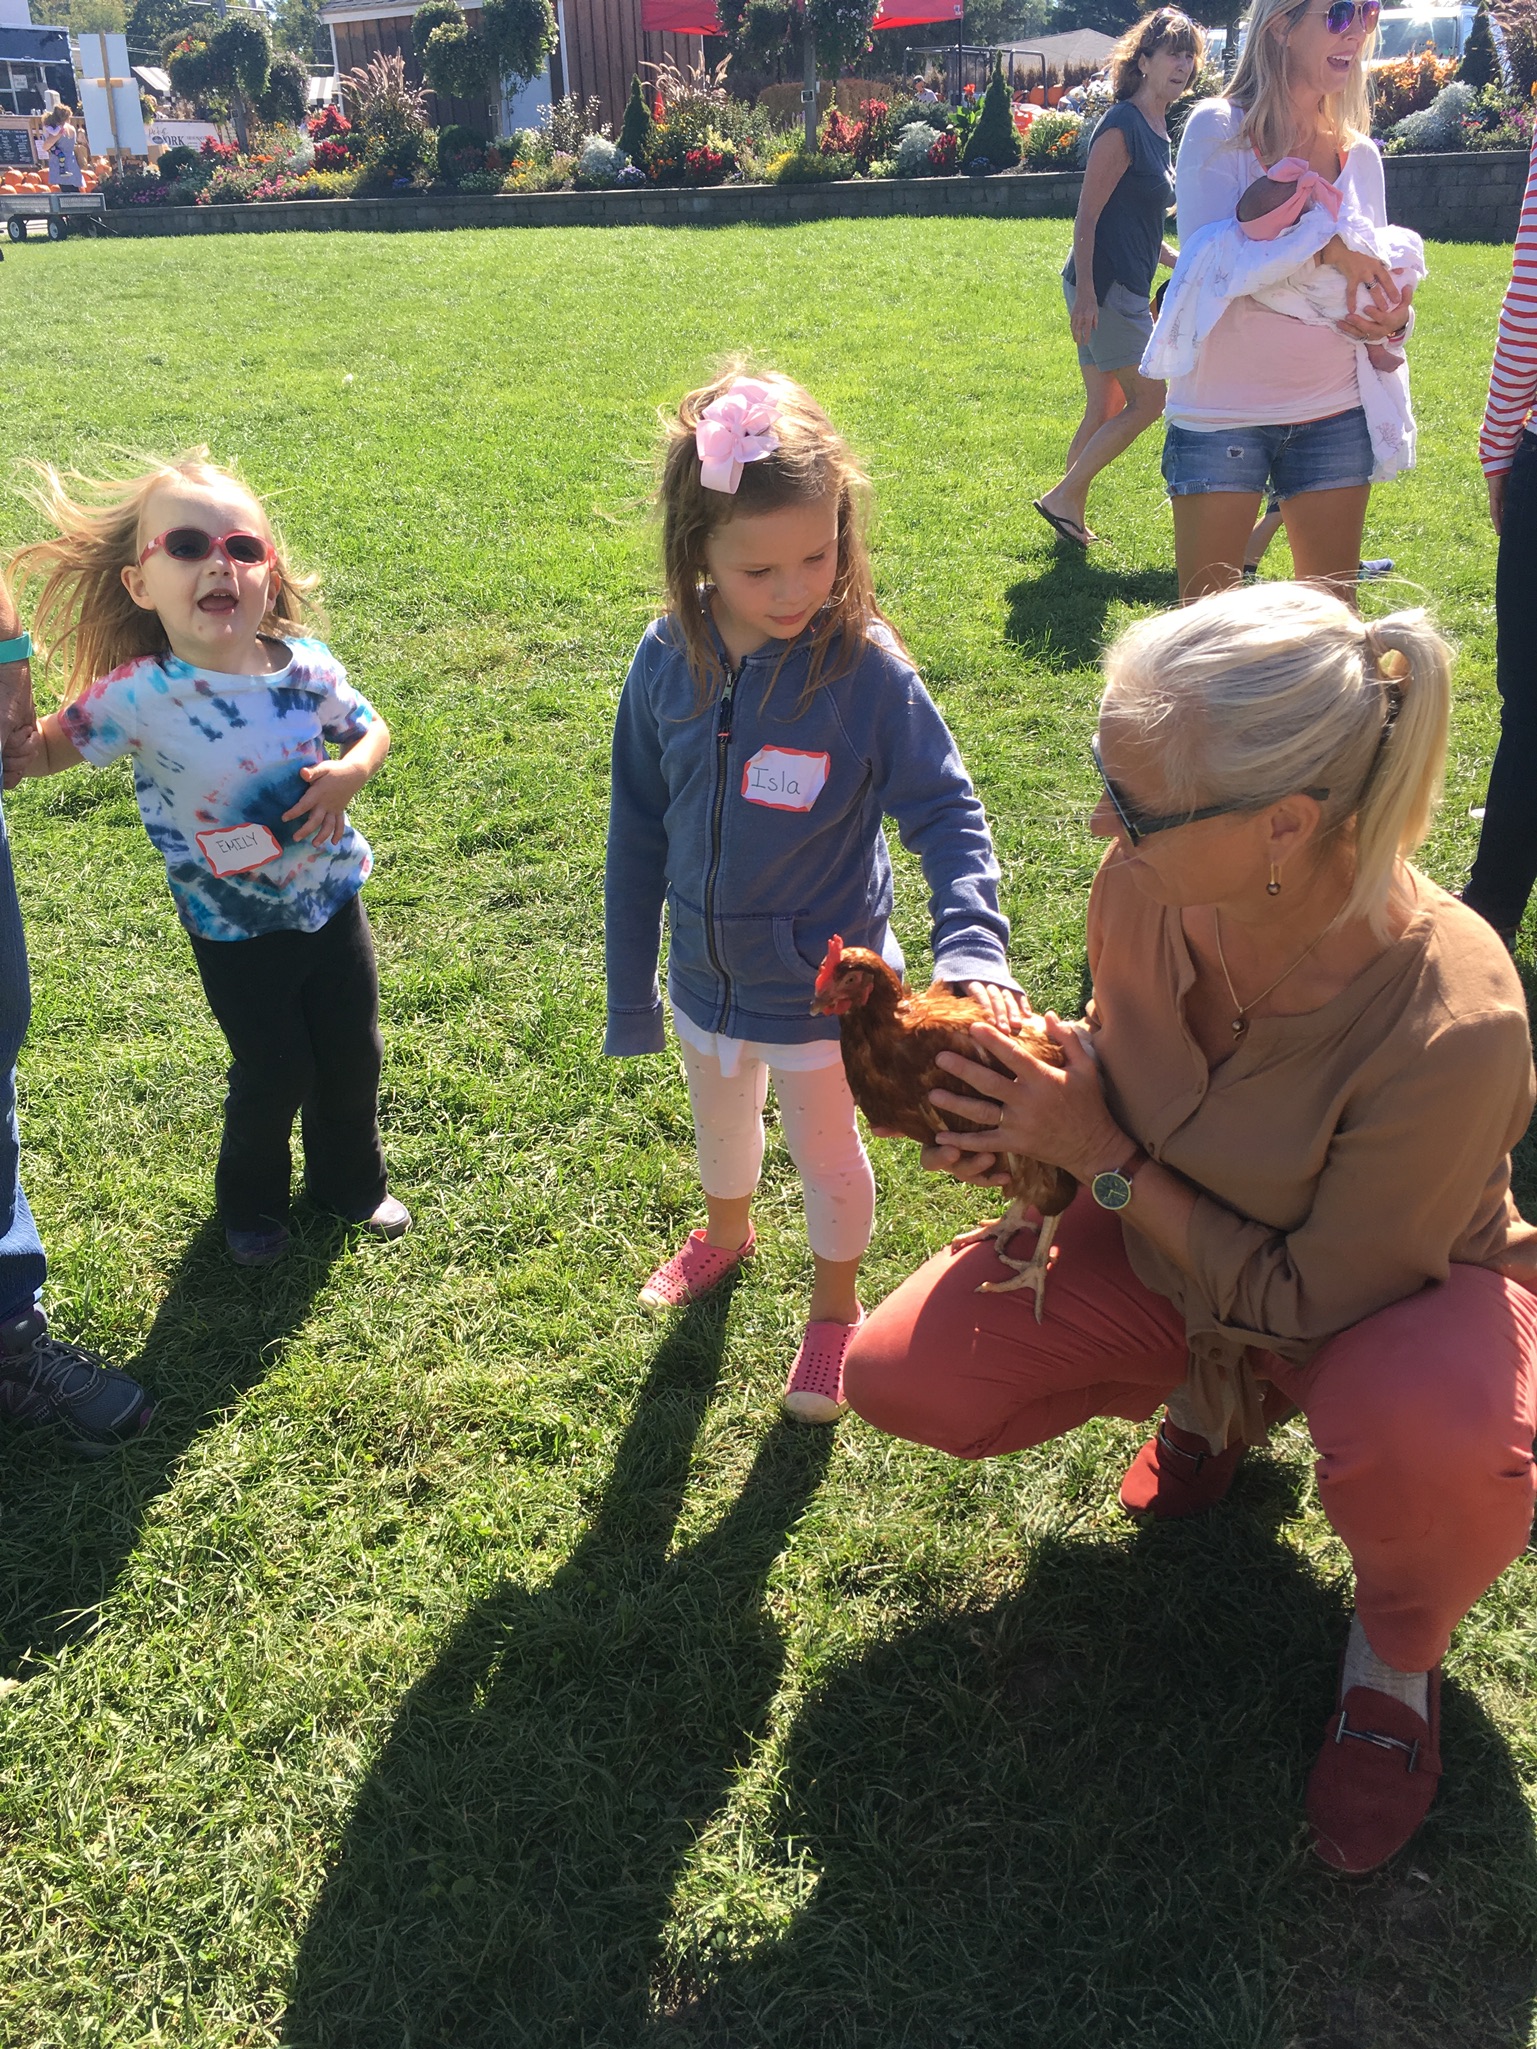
717 811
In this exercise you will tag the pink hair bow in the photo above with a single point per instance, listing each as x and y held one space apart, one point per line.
1310 185
736 428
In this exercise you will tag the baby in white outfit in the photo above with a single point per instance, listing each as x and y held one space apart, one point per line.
1318 292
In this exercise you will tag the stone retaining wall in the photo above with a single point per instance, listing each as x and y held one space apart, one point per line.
1450 198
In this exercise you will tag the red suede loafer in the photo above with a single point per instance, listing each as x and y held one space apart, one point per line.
1374 1779
1177 1473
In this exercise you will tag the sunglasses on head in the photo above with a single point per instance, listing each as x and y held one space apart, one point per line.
192 544
1138 825
1338 18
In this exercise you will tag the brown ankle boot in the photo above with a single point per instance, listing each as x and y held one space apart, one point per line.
1177 1473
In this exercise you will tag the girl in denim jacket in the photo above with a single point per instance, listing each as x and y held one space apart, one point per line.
770 720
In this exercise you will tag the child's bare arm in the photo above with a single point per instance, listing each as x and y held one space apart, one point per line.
41 749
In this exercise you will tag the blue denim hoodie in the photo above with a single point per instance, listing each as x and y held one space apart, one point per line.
725 817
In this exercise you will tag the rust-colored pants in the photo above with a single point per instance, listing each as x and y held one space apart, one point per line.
1423 1415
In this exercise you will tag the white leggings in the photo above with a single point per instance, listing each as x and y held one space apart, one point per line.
818 1115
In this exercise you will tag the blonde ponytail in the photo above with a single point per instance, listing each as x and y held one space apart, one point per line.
1255 694
1411 667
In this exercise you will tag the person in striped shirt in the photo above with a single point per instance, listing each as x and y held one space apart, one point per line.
1506 864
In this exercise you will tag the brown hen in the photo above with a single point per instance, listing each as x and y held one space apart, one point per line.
892 1040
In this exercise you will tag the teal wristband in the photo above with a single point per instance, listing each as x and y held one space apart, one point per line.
17 650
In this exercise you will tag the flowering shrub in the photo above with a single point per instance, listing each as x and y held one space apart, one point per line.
707 166
808 167
913 146
133 186
864 140
1438 126
332 154
1052 143
632 174
329 125
219 152
944 154
230 186
685 158
599 161
1406 86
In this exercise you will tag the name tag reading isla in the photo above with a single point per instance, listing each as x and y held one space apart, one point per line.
237 849
785 778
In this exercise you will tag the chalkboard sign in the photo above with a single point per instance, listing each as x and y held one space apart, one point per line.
16 147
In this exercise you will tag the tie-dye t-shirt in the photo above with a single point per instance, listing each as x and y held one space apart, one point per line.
216 763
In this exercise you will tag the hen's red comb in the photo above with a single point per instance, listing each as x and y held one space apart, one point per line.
829 965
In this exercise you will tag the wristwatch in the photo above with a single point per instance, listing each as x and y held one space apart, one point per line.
17 650
1113 1189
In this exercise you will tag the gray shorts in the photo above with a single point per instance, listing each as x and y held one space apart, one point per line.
1123 331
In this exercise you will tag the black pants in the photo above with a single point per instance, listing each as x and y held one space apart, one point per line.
1506 866
301 1013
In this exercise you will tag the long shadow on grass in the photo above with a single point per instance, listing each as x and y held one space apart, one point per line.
69 1527
507 1871
1058 618
1072 1820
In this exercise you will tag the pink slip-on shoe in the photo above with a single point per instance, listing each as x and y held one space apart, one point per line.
694 1269
814 1391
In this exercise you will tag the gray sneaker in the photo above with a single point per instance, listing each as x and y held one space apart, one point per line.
47 1383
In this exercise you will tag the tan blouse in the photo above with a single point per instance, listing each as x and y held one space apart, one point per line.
1343 1158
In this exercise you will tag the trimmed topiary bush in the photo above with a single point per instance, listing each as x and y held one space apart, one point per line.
1480 64
995 137
639 123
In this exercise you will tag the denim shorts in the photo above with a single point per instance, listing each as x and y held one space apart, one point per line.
1317 455
1122 332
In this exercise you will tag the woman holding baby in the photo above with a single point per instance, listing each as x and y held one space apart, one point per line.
1281 335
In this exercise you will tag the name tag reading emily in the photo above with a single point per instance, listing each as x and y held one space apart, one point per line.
237 849
785 778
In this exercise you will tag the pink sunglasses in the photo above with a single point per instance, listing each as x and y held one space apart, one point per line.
191 544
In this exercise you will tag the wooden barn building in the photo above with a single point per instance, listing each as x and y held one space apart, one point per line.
601 47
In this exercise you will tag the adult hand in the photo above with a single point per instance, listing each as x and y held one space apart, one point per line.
1368 327
1358 269
25 754
1007 1008
1496 485
1054 1114
1085 316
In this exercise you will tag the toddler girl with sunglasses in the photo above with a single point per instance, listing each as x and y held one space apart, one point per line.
177 612
769 721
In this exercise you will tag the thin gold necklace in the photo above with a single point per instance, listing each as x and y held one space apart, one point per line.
1241 1021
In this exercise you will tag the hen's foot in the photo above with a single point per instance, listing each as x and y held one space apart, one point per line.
1012 1220
1028 1273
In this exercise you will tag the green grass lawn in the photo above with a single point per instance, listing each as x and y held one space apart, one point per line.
465 1661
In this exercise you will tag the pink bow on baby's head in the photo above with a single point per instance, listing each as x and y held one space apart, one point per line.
736 428
1310 185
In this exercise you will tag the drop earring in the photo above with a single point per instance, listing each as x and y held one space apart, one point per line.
1273 886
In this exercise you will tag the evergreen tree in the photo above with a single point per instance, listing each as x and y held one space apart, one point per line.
1480 64
635 135
995 137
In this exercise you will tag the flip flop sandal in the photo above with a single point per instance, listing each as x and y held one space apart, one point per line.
1069 529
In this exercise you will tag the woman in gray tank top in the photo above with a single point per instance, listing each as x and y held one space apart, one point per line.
1118 243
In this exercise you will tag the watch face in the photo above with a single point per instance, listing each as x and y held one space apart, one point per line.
1110 1191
